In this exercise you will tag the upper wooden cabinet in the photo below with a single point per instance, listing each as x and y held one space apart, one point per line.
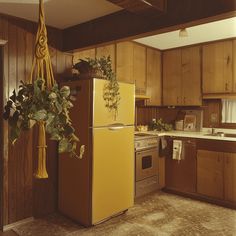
234 66
124 62
154 89
182 77
217 67
172 85
131 65
107 50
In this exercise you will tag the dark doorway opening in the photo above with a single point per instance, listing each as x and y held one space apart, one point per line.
1 138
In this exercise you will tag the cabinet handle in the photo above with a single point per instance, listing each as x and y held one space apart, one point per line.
228 60
184 100
226 87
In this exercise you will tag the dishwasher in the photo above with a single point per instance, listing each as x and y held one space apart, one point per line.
181 175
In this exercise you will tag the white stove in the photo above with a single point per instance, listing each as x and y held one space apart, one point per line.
144 141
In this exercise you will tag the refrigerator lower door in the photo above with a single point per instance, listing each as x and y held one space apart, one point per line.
113 171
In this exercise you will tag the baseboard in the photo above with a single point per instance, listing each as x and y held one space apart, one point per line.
18 223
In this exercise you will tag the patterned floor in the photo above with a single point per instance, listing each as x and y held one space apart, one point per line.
158 214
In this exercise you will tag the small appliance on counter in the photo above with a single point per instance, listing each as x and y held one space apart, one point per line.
179 125
193 120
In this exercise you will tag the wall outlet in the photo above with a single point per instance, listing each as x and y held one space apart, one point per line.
214 118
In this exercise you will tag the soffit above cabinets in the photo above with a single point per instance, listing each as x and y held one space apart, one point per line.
217 30
59 13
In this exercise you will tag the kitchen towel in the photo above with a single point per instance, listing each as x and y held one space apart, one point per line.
228 111
177 150
163 147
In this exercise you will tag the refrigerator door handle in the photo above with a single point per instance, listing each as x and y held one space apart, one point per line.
115 128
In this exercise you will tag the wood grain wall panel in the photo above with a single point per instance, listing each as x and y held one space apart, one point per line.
12 154
4 35
1 138
20 188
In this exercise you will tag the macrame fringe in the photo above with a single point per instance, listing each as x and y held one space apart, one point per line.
41 172
42 68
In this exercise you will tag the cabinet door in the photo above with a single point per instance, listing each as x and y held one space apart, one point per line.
210 173
124 62
191 76
172 71
107 50
217 67
154 90
139 69
234 66
83 55
230 176
181 175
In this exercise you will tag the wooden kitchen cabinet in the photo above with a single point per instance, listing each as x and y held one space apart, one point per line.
172 91
154 85
234 66
182 77
139 68
210 174
107 50
230 176
124 62
191 76
131 65
181 175
217 67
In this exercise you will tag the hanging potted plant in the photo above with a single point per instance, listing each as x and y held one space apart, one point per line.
41 102
102 68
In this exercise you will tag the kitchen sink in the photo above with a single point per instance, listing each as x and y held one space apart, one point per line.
221 134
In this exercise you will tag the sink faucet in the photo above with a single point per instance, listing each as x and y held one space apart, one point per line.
213 130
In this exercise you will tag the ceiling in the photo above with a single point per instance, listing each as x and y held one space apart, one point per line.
217 30
59 13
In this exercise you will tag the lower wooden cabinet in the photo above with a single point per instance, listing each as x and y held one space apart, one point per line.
181 175
210 174
230 176
216 175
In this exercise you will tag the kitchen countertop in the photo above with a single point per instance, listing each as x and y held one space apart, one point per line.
190 134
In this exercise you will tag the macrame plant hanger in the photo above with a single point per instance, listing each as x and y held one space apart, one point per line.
42 68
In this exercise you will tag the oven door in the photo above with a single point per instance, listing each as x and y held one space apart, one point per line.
146 163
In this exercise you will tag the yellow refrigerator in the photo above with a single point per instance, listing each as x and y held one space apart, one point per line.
101 184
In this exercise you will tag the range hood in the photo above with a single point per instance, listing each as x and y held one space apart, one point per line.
141 97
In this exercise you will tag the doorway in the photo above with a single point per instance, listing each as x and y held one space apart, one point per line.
1 138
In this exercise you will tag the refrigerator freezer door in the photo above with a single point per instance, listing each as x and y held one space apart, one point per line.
102 117
113 171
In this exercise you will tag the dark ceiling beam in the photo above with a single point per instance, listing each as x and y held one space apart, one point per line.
124 24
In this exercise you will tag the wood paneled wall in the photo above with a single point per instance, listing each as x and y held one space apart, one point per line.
23 196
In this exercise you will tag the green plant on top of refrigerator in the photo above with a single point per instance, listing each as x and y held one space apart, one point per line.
103 67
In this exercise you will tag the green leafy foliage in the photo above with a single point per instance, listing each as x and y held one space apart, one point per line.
111 94
159 125
32 103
